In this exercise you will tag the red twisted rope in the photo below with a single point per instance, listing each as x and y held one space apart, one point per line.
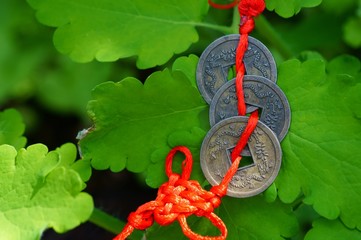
179 197
248 9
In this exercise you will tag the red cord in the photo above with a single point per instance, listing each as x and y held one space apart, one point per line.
179 197
248 9
223 6
176 200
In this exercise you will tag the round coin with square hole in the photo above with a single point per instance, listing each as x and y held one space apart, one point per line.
251 179
258 92
219 57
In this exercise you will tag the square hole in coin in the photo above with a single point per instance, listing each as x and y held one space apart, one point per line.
246 161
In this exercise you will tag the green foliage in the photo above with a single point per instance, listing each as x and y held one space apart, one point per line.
37 192
318 37
186 65
30 67
321 151
136 123
109 30
22 49
67 87
288 8
138 118
12 128
67 156
336 7
334 230
193 140
316 133
352 32
244 218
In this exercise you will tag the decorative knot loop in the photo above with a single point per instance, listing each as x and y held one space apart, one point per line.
219 190
251 8
177 199
140 221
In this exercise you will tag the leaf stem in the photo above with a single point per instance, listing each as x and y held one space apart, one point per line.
223 29
106 221
236 20
266 30
111 224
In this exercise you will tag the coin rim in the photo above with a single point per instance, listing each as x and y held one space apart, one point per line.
217 42
267 130
262 80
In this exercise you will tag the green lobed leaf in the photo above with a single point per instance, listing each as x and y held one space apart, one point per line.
108 30
254 218
67 156
288 8
37 193
250 218
133 120
186 65
322 148
331 230
12 128
193 140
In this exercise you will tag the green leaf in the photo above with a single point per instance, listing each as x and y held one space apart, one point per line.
36 193
322 149
306 215
270 195
352 32
288 8
133 120
337 7
193 140
67 156
12 128
250 218
254 218
322 40
109 30
331 230
186 65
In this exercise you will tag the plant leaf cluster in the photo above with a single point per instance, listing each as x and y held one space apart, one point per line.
109 30
39 191
136 122
143 117
321 150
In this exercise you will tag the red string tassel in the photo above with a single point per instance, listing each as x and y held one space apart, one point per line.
179 197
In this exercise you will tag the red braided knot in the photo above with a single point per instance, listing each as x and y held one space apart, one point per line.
250 8
176 200
179 197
